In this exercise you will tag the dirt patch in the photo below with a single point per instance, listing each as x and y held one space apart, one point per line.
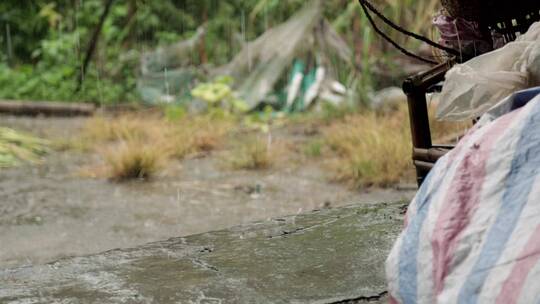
49 211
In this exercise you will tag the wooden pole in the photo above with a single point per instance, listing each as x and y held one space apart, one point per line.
35 108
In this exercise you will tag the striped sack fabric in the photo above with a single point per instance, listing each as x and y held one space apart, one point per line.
472 233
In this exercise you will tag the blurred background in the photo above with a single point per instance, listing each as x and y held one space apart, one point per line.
49 40
131 121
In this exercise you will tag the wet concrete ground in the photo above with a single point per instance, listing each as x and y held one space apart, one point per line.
49 211
328 256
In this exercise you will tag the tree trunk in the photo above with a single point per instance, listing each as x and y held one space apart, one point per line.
203 55
130 24
93 43
34 108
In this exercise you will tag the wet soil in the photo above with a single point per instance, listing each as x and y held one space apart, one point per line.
49 211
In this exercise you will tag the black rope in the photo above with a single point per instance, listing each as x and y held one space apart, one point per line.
406 32
366 5
392 42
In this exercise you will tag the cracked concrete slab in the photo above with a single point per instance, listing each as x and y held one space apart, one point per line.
326 256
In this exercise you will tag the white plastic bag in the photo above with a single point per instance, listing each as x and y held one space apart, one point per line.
475 86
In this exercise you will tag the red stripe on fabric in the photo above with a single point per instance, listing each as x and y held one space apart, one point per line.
462 200
451 157
528 258
392 300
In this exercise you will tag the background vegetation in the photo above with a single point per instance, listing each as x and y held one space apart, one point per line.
43 42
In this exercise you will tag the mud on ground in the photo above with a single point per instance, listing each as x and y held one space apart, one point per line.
49 211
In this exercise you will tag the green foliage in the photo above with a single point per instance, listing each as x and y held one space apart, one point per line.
314 148
174 113
49 68
44 41
220 94
17 147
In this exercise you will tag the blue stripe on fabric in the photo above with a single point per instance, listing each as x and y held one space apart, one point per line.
408 254
521 98
523 171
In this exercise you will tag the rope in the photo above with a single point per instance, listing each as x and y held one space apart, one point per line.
366 7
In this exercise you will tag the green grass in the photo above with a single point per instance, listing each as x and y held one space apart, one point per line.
18 147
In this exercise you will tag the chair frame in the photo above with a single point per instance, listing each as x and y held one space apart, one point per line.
425 153
509 20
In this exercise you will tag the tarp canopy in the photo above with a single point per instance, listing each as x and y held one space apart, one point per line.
167 73
267 59
297 60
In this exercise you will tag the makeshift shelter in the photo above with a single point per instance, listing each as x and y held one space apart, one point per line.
289 66
293 63
167 73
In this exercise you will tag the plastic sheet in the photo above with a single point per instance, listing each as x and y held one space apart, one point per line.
268 59
166 73
472 88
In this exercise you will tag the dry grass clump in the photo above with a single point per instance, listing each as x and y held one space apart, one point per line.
253 153
371 149
139 144
366 148
200 134
134 126
132 160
